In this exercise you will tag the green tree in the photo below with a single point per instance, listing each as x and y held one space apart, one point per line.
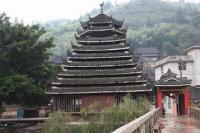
196 18
19 89
180 17
169 38
24 67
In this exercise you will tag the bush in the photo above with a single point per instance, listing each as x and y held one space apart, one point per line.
127 111
103 122
91 113
58 122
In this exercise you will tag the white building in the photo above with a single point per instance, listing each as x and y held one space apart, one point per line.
190 70
190 65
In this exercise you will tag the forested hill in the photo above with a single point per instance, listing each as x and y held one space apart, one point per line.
171 27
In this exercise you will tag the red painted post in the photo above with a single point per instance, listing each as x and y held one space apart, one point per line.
187 98
159 99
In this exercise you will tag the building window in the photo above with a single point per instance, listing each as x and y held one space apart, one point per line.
78 102
185 78
182 66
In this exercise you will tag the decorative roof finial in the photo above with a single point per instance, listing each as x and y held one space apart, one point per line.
101 6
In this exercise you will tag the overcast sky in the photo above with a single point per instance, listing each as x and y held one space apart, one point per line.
46 10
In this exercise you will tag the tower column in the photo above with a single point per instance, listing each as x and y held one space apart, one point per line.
186 99
159 100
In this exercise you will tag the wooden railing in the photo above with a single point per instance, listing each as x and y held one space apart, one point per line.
143 124
194 113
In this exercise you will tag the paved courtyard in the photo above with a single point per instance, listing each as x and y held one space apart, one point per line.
179 124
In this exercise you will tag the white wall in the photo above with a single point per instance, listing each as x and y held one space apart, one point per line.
196 67
157 73
192 71
174 68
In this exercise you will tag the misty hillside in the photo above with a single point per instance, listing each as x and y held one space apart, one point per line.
171 27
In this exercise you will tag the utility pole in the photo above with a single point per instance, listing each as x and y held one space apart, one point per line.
180 66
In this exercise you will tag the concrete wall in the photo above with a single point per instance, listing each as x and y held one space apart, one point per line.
174 68
192 71
195 53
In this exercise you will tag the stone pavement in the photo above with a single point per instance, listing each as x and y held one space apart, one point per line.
179 124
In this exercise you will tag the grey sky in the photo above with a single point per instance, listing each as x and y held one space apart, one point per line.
46 10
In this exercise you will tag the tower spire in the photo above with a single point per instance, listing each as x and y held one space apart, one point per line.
101 5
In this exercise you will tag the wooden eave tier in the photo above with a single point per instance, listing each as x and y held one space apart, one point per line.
100 67
85 25
102 19
99 89
168 84
108 39
100 28
99 73
97 56
98 63
98 43
102 50
100 46
100 55
100 58
98 81
97 30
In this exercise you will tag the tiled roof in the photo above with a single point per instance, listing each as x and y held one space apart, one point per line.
100 62
193 47
92 29
170 79
100 72
99 89
75 81
184 58
107 38
102 18
98 47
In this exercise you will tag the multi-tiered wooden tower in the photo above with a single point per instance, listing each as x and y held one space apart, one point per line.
101 68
